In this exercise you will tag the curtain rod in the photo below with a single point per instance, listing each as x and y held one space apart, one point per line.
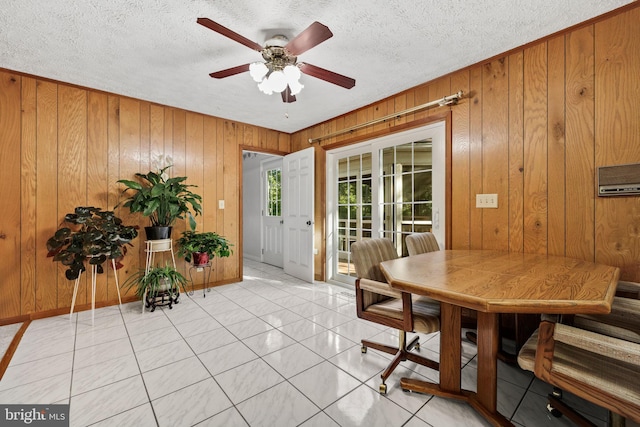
447 100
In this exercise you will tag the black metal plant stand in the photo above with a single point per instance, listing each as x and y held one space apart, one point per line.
166 297
162 298
206 270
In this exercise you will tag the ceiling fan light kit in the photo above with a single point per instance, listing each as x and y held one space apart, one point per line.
281 70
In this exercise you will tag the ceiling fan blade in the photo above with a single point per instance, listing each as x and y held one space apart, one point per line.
286 95
230 71
229 33
315 34
326 75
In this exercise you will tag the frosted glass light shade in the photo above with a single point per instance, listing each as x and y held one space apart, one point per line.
264 87
277 81
295 87
258 70
292 72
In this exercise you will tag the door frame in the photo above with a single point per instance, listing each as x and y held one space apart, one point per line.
241 149
446 118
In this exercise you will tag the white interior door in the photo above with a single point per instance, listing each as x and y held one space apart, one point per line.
272 233
297 213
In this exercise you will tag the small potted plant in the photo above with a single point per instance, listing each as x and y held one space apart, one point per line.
200 247
157 286
162 199
90 235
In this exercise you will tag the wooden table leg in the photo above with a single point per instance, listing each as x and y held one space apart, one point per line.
485 400
487 388
450 348
450 359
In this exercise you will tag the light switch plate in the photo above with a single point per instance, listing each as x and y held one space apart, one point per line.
486 200
220 204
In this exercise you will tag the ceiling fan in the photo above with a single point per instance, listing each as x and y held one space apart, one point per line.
281 70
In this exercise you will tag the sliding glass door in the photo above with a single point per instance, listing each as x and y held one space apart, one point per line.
406 190
389 187
354 208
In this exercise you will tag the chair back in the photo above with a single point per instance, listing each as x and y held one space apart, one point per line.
368 254
596 357
628 289
419 243
622 322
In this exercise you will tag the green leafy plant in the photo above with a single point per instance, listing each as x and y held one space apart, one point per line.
93 235
160 198
156 281
203 242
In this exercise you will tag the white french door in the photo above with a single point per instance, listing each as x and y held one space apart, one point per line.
297 213
388 187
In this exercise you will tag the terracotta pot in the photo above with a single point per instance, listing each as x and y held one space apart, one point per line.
200 258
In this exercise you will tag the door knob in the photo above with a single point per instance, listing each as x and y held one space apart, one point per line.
309 222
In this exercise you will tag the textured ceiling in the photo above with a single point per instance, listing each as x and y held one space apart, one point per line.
154 50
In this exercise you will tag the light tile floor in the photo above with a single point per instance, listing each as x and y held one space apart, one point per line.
269 351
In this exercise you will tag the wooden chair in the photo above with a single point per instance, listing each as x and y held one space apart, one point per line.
419 243
624 320
378 302
628 290
596 358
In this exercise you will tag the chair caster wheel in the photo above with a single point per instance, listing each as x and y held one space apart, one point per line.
363 349
383 389
554 411
417 346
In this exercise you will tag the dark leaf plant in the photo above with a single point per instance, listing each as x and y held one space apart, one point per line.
160 198
90 235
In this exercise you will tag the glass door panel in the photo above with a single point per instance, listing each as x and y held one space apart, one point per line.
406 189
354 207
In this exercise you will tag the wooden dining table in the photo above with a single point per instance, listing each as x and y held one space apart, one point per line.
494 282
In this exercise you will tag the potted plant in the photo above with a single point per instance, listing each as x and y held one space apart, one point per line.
157 286
93 235
200 247
160 198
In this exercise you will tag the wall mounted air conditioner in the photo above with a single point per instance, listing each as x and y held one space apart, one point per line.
620 180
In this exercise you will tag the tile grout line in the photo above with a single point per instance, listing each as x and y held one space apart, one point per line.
73 363
13 346
155 416
324 359
267 363
233 405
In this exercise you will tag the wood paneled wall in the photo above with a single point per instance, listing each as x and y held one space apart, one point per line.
62 146
534 127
